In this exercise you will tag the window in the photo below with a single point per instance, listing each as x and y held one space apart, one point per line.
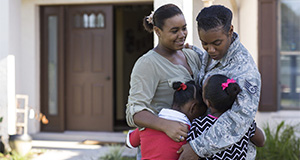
92 20
289 59
52 64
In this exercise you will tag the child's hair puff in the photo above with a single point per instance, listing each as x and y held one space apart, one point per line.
219 98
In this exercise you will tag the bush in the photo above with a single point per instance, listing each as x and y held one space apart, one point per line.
115 153
14 156
281 144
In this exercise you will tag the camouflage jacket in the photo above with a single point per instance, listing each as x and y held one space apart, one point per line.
234 123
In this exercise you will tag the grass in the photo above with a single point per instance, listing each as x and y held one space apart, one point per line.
281 143
14 156
115 153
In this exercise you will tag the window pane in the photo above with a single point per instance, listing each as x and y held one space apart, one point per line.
85 20
52 65
77 21
290 54
100 20
92 20
290 25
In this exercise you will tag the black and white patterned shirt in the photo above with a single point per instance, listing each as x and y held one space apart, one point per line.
236 151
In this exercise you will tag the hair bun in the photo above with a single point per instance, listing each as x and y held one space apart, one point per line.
176 85
233 89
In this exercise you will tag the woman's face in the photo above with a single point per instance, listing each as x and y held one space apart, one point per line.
173 33
215 41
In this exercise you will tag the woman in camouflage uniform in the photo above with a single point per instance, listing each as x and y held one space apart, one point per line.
224 54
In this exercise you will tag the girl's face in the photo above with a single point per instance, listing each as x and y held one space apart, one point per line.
173 33
215 41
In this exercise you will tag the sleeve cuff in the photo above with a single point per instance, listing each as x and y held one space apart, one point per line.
131 110
128 140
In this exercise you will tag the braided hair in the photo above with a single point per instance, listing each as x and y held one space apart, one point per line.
186 92
213 17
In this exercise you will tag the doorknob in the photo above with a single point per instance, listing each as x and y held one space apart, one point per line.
107 78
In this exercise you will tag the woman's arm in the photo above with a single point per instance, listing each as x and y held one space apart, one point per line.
259 138
173 129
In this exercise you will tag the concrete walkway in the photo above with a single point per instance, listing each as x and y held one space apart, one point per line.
77 145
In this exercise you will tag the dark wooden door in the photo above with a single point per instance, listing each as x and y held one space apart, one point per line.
89 68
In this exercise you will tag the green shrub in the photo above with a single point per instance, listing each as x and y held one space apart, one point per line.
14 156
282 144
115 153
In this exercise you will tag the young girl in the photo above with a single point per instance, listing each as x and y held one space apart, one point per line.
187 105
219 94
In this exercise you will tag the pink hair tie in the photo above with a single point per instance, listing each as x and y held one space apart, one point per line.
225 85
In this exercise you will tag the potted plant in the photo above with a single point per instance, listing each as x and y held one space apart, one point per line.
1 143
20 143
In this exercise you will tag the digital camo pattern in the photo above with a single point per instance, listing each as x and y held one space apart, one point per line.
236 151
233 124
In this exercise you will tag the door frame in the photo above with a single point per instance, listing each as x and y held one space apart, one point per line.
57 121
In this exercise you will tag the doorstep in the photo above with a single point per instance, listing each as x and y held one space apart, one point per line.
81 136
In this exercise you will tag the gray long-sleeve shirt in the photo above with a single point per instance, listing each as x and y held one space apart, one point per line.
151 82
234 123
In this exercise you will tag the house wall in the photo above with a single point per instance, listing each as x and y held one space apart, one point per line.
9 49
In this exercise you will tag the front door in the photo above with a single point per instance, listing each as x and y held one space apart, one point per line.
89 61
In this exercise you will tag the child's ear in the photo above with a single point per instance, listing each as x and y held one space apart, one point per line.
207 102
192 108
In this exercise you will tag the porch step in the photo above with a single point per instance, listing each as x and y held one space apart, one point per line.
81 136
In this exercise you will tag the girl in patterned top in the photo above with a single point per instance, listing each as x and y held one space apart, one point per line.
219 94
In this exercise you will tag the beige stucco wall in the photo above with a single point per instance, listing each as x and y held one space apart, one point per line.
9 49
248 13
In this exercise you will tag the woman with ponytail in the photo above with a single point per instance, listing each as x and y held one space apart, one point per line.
154 73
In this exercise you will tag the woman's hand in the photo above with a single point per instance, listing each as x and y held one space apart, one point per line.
187 153
175 130
188 46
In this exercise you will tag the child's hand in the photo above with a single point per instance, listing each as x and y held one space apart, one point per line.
175 130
